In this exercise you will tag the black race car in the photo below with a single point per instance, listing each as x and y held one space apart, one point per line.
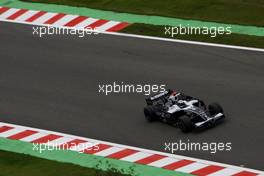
182 111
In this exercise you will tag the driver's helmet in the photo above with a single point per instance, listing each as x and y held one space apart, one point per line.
173 96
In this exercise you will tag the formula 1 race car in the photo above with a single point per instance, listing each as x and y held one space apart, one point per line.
182 111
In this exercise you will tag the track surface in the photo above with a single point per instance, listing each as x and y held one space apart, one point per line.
52 83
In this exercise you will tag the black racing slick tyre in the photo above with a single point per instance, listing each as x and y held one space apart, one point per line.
149 113
185 124
215 108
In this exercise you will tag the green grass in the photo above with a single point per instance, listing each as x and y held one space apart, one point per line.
245 12
232 39
20 165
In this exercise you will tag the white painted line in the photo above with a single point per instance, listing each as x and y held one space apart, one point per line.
163 162
186 41
191 167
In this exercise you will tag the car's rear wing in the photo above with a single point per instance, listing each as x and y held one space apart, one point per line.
151 99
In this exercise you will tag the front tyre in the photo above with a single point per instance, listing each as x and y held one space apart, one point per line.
149 113
185 124
215 108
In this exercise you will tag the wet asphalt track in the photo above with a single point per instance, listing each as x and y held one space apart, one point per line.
52 83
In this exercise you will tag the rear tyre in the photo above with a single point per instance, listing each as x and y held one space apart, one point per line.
149 113
185 124
215 108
